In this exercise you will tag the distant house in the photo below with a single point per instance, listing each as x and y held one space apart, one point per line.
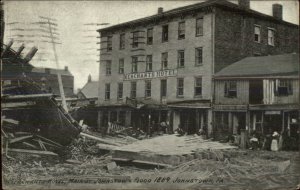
258 93
46 78
89 91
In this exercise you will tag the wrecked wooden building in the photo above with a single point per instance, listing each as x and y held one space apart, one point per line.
258 94
24 101
160 68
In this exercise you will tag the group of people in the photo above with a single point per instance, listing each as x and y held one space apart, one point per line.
271 141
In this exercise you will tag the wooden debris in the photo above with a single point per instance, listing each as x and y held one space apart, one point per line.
151 163
99 139
32 152
10 121
20 139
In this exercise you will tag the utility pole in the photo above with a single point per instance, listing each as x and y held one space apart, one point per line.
60 84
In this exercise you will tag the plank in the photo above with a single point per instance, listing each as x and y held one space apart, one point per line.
11 121
19 139
32 151
151 163
106 147
57 144
98 139
121 159
30 145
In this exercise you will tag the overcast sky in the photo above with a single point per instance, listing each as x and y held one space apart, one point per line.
78 48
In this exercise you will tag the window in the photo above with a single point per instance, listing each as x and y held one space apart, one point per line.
134 65
122 41
257 34
147 88
180 87
165 33
198 56
198 86
163 88
109 43
121 66
271 33
149 63
108 67
120 91
133 90
180 58
181 30
164 60
135 40
230 89
150 36
283 87
107 91
199 26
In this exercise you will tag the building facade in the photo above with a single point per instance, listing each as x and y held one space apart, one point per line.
258 94
46 78
160 68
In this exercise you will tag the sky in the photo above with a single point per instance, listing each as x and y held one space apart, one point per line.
78 39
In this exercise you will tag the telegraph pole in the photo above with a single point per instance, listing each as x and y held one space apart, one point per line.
60 84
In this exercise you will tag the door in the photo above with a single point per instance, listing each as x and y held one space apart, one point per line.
256 92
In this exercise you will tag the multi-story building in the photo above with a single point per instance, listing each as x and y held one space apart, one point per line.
258 93
160 68
46 78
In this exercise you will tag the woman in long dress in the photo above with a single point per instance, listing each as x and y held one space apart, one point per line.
274 144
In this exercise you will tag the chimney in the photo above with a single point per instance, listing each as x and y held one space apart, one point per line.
160 10
277 11
66 68
89 78
21 48
244 4
30 54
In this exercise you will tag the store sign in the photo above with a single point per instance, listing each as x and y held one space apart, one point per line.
150 75
272 112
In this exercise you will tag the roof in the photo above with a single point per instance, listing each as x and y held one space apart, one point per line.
52 71
90 89
285 64
193 7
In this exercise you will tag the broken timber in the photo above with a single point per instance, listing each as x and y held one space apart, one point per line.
32 152
99 139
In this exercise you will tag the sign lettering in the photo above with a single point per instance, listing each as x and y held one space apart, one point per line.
150 75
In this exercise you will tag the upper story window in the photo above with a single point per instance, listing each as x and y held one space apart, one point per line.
149 63
122 41
134 66
165 33
120 91
199 26
133 90
147 88
180 58
109 43
107 91
181 30
230 89
271 37
108 67
121 66
180 87
135 39
150 36
164 60
257 33
198 86
283 87
198 56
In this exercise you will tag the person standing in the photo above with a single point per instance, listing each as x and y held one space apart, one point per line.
274 144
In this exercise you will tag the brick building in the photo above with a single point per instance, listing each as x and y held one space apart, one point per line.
160 68
46 78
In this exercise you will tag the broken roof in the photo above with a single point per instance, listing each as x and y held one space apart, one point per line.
52 71
285 64
194 7
90 89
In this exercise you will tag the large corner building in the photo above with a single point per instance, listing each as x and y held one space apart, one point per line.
161 68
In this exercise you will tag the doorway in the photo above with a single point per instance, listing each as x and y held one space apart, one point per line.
256 92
